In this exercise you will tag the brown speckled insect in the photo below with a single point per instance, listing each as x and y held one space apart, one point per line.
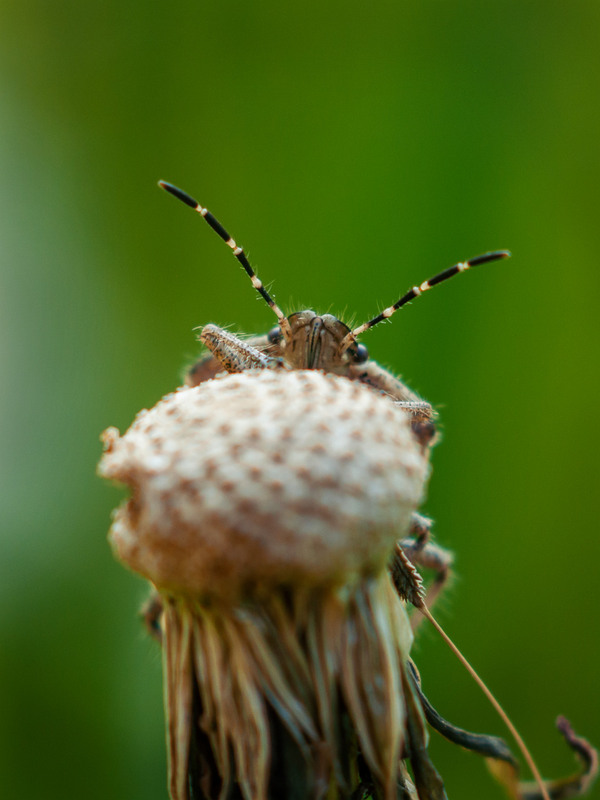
306 340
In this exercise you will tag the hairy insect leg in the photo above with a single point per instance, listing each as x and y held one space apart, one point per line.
234 355
207 366
422 552
419 410
421 413
378 377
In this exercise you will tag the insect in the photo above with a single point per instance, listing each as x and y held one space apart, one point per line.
306 340
267 499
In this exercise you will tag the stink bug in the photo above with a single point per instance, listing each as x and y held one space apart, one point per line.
306 340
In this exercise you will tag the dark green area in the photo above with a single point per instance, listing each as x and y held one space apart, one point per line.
355 149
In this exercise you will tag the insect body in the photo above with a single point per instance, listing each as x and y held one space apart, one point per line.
306 340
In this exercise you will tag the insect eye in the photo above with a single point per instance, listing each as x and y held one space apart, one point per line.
361 354
274 335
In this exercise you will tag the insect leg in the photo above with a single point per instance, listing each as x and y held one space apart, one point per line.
207 366
422 552
419 410
379 378
235 355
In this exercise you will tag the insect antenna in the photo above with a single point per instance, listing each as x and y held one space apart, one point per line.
462 266
501 712
238 252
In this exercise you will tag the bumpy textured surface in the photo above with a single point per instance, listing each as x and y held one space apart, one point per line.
264 478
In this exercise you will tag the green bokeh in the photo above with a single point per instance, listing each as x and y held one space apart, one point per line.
355 149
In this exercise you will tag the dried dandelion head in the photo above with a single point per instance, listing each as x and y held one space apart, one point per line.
264 509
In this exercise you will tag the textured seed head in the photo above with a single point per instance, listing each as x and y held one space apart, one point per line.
264 478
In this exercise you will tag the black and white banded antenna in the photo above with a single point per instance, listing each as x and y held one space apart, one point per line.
238 252
462 266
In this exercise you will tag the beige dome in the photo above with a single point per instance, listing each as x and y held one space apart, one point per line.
264 478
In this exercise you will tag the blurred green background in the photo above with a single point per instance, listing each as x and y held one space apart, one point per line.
354 149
